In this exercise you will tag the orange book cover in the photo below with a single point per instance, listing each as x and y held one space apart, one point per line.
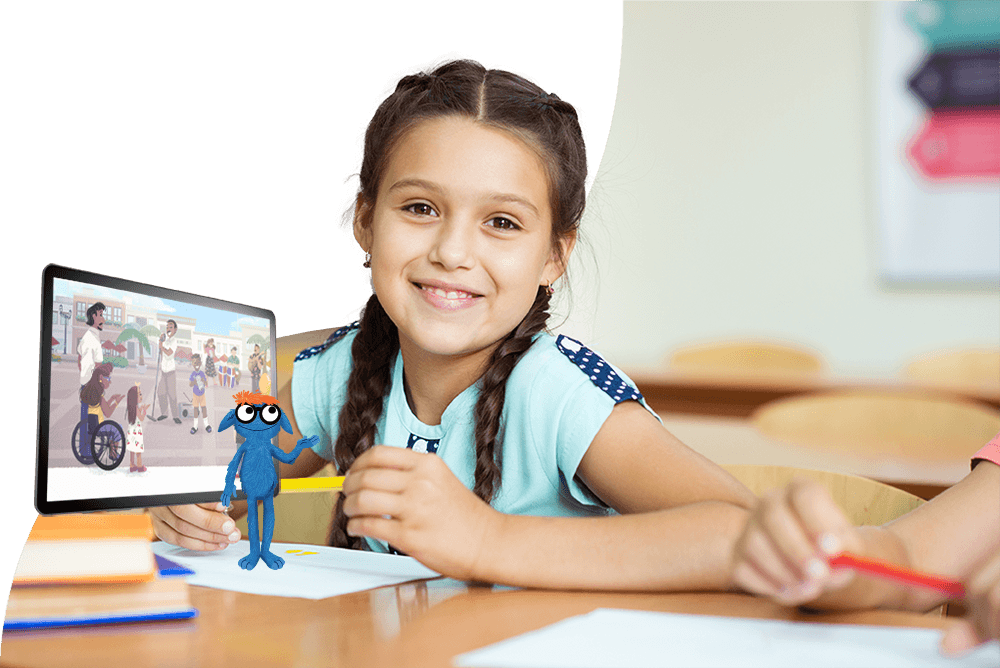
87 548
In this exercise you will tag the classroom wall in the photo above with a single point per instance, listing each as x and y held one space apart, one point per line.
735 197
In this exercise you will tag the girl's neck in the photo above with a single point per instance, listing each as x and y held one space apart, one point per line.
433 381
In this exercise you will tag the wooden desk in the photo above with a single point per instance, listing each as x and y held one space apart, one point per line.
416 624
740 395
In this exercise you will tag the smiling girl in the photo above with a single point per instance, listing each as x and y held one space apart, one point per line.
472 439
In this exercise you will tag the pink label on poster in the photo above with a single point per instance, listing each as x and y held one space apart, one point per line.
958 145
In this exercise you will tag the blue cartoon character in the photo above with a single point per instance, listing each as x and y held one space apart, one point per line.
257 418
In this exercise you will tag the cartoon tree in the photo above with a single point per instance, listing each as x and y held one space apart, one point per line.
260 341
129 333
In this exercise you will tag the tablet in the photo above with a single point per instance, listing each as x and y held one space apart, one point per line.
133 383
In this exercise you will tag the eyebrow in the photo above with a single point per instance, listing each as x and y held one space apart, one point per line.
495 197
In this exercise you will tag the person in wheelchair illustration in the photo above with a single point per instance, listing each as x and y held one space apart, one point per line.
103 440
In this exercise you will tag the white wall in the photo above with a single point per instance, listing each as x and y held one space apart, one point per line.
735 195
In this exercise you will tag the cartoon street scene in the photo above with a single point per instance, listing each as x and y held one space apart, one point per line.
137 385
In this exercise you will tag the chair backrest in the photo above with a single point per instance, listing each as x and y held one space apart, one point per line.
745 357
908 424
975 368
864 501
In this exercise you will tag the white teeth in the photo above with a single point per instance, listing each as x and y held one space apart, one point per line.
447 294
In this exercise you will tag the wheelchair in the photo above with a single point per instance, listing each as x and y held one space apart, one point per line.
106 447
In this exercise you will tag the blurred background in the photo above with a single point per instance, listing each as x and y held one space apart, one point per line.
741 193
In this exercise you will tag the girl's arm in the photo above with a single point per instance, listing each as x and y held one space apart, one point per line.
685 516
951 536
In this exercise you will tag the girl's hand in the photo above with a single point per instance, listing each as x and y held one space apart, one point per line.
416 504
782 553
203 526
982 600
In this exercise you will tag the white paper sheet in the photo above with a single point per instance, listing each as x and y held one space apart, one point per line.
637 639
312 572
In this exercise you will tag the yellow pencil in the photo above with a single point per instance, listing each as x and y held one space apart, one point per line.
326 483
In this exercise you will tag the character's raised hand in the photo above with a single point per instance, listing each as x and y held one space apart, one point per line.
414 502
309 442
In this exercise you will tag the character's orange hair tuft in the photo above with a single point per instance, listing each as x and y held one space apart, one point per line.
252 398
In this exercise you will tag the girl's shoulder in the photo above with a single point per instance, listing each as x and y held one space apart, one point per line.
337 335
559 363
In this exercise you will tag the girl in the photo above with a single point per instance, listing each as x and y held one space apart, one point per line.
509 453
133 439
210 360
782 551
92 394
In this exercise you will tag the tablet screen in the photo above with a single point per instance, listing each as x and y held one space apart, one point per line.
134 381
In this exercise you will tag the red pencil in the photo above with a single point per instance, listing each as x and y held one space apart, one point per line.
883 569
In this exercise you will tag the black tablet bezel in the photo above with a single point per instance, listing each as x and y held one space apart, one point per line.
49 274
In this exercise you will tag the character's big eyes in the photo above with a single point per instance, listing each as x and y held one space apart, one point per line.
245 413
270 414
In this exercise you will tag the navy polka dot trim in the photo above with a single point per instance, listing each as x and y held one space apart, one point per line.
418 444
600 372
333 338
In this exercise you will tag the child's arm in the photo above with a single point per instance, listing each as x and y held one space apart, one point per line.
687 515
780 553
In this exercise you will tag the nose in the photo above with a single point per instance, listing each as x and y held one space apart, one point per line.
454 244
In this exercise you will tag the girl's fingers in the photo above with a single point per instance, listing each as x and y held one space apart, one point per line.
201 524
819 514
983 601
383 479
374 503
379 528
763 556
784 529
168 534
750 579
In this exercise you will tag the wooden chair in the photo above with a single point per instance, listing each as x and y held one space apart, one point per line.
864 501
971 368
871 423
745 357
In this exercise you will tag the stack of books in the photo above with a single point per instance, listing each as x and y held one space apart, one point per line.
94 569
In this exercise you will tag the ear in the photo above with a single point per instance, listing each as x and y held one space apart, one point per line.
284 423
556 266
228 421
362 223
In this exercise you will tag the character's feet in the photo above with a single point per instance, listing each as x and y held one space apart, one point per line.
133 469
273 561
248 562
141 469
194 430
177 420
161 418
208 429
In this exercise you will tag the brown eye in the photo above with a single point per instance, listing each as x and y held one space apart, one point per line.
502 223
421 209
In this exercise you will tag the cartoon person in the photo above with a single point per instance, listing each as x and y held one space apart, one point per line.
210 359
99 408
135 413
234 367
256 365
167 390
89 355
199 384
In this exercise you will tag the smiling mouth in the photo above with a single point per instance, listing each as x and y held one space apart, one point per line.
447 294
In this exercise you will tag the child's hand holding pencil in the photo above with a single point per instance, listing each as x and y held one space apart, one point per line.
799 548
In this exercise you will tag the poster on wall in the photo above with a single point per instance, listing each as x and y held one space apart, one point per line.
938 142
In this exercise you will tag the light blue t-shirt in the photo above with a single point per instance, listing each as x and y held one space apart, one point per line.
558 396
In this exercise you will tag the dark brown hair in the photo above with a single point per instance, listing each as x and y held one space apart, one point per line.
92 392
132 403
549 126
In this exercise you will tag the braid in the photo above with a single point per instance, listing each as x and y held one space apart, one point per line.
492 391
372 353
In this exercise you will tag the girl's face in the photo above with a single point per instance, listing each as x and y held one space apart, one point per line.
460 235
106 381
